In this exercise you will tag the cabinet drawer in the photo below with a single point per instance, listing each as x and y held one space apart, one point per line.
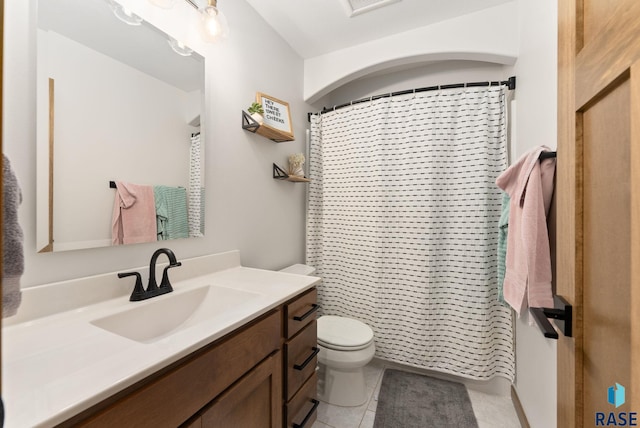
301 358
300 312
191 383
301 411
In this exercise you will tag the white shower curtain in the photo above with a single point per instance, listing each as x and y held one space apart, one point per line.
402 226
196 219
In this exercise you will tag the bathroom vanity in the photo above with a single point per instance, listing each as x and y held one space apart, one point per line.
242 354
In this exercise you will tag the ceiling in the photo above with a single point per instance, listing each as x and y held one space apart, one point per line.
317 27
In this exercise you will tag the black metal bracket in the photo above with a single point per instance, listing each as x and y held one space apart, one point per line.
279 173
249 123
562 313
547 155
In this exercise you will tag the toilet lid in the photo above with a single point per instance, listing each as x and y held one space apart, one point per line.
343 333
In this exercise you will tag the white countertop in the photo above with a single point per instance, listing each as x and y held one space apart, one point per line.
59 364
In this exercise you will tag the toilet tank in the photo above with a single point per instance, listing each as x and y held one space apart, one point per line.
299 269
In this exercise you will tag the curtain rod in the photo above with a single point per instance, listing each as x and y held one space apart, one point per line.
510 84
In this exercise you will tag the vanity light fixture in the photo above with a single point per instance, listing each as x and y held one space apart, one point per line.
124 14
214 24
164 4
179 47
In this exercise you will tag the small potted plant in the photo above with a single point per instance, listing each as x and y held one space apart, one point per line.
256 112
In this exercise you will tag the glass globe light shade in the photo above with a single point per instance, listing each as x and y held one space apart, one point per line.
214 24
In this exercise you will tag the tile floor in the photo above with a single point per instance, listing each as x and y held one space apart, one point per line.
492 411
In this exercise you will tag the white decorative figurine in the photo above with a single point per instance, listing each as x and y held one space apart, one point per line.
295 164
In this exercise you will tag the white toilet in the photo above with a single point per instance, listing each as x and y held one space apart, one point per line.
346 346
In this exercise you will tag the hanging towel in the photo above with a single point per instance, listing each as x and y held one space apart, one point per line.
529 184
134 214
171 212
503 232
12 247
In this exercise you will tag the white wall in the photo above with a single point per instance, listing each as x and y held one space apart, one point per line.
536 119
245 208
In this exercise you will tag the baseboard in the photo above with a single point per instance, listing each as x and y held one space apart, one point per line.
495 386
524 423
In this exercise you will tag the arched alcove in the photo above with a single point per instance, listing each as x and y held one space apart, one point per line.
490 35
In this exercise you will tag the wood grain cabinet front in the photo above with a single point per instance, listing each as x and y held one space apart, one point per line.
300 360
252 402
300 312
301 411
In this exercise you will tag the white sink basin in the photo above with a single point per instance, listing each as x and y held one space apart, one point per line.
153 319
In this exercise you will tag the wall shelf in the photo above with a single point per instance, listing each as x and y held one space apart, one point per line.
279 174
251 125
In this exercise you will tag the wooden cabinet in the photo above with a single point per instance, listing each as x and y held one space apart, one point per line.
300 360
253 401
261 375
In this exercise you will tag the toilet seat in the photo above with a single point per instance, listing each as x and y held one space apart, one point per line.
343 334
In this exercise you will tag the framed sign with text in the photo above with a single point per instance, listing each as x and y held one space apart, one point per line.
276 115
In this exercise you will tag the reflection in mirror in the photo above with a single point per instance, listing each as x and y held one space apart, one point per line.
115 102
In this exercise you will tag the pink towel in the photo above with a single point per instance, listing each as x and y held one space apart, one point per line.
529 183
134 214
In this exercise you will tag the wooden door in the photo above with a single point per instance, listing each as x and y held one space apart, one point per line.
598 191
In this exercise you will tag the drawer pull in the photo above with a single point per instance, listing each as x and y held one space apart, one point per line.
316 403
308 360
314 308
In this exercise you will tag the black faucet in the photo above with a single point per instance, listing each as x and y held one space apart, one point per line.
139 293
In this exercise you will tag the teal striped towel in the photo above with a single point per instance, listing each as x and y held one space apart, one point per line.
171 212
503 226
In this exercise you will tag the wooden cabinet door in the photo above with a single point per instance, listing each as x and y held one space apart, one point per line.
254 401
598 194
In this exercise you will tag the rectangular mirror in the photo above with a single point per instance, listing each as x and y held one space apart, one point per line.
115 102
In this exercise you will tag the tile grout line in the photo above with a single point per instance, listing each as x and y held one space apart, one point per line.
373 395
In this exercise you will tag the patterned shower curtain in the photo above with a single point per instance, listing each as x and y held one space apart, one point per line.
403 226
196 194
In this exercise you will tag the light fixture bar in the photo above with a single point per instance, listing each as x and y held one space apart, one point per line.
193 4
